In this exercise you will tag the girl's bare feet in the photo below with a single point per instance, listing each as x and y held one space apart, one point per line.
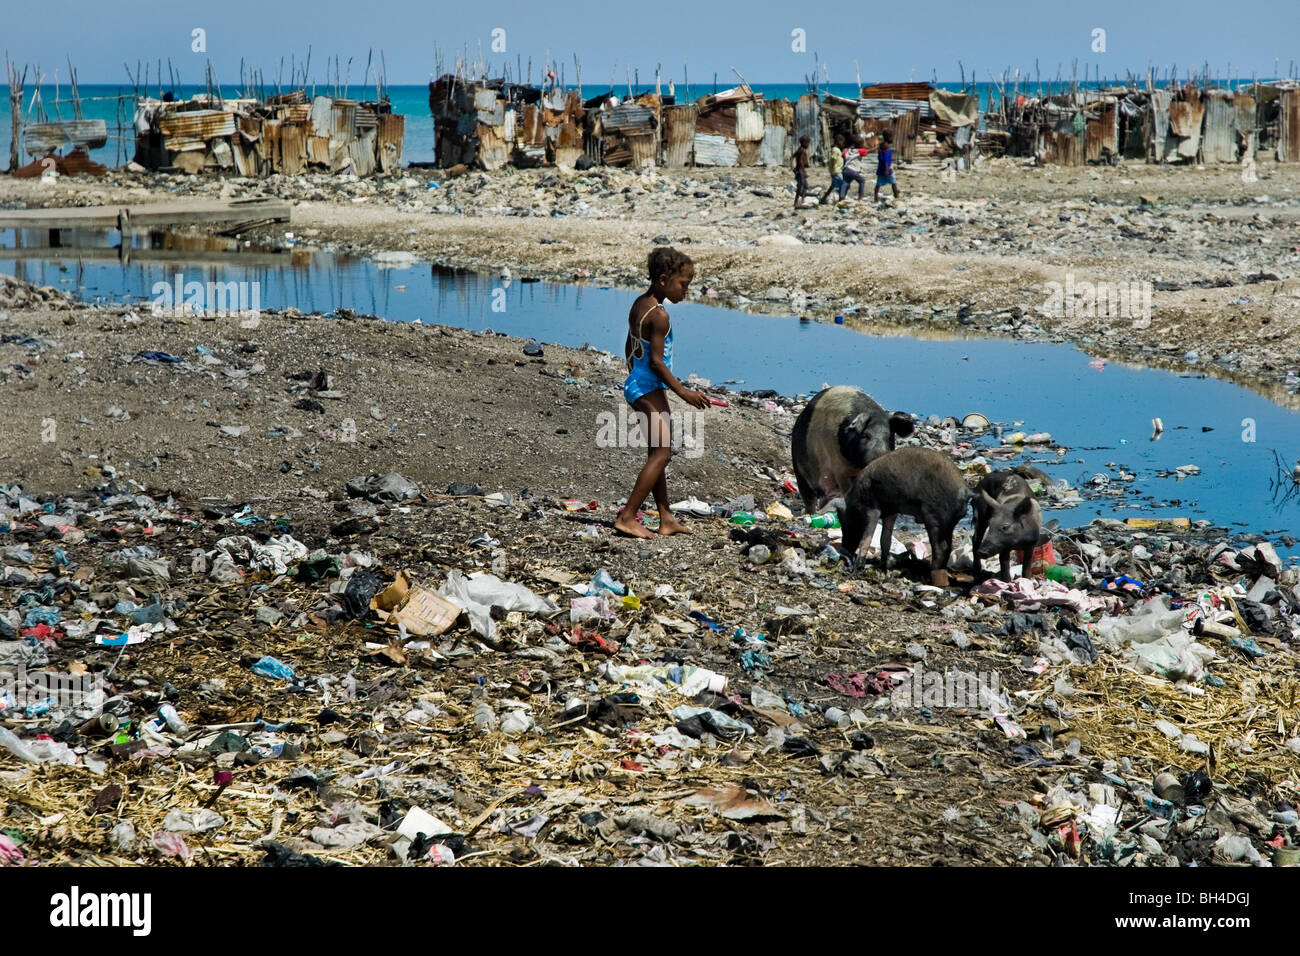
630 526
670 525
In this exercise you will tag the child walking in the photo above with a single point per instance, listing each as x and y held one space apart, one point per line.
649 351
835 166
801 171
885 167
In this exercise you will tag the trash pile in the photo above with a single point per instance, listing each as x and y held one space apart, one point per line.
462 677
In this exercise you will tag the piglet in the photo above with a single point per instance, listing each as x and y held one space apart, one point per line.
919 482
1007 518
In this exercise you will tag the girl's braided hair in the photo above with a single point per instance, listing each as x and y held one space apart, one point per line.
667 261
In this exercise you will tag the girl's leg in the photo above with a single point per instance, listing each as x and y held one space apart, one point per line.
654 407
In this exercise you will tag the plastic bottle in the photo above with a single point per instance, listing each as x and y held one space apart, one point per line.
743 519
1060 572
829 520
173 720
484 719
16 747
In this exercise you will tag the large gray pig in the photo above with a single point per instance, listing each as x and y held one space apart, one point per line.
840 432
919 482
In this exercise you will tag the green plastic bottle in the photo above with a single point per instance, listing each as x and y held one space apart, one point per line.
1060 572
743 518
829 520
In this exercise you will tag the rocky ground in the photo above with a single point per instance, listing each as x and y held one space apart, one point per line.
1218 245
187 483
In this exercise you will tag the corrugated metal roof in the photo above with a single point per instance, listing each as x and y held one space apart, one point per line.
897 91
40 138
193 129
883 108
629 116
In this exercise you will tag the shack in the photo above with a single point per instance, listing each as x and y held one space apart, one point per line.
290 134
491 122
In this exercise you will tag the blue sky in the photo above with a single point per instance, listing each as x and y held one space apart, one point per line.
891 41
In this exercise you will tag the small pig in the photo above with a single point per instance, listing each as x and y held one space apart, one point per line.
840 432
1007 518
919 482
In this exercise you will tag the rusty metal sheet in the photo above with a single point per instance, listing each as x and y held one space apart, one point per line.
679 135
297 113
293 149
644 146
361 151
194 128
1219 141
750 125
897 91
493 151
712 150
1061 147
250 128
808 122
343 121
904 128
1102 132
41 138
75 163
1185 119
532 129
390 134
717 122
318 150
1288 130
779 113
747 153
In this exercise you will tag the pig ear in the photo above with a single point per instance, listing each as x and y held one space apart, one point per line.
1024 506
901 424
988 500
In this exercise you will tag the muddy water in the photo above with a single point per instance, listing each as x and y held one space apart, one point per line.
1243 444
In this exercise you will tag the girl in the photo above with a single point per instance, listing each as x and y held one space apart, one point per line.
649 351
853 168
